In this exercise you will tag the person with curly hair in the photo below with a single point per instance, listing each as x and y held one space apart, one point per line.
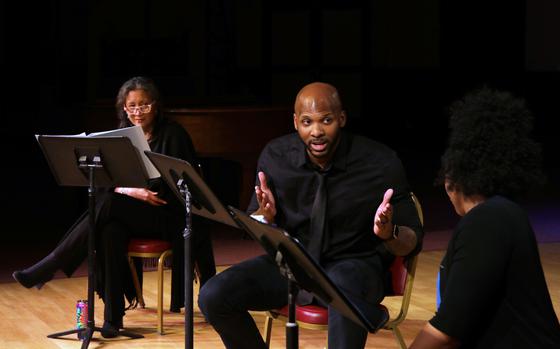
491 283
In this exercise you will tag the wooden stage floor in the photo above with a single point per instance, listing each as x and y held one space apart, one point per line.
28 316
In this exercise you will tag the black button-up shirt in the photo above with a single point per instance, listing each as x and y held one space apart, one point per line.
360 173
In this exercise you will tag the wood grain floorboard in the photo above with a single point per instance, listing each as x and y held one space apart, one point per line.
28 316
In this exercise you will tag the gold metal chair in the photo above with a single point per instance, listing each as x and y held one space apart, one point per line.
315 317
150 248
406 272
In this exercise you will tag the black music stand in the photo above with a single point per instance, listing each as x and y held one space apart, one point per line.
93 163
193 192
301 270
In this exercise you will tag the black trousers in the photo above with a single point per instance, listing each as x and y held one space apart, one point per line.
257 284
120 218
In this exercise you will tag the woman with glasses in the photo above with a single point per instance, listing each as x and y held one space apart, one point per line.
123 213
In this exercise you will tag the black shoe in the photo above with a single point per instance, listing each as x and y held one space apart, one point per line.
39 273
110 329
28 281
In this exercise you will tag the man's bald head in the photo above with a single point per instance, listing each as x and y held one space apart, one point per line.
318 118
318 95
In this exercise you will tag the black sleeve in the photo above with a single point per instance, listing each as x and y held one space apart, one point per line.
474 276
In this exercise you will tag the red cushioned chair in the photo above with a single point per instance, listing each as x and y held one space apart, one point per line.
315 317
150 248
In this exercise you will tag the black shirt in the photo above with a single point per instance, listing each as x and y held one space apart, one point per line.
360 173
492 285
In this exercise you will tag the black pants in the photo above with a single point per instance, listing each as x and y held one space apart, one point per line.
257 284
120 218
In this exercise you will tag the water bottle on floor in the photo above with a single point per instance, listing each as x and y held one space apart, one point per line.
81 316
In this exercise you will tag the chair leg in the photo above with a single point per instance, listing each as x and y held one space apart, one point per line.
399 337
136 283
267 330
161 261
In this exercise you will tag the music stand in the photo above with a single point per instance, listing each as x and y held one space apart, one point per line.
197 197
300 268
93 163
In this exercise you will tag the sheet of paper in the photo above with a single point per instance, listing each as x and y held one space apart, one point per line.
136 136
83 134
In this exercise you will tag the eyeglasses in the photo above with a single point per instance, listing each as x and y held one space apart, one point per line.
141 109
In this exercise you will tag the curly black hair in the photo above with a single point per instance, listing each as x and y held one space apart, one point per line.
490 151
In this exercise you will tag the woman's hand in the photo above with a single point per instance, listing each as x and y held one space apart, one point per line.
142 194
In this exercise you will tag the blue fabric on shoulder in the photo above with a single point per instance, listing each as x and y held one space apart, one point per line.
438 292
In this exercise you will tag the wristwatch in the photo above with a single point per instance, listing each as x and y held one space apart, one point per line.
395 233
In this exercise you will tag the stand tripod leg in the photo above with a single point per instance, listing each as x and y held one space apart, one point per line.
87 333
65 333
87 337
125 333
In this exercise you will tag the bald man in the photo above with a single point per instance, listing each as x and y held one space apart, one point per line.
369 218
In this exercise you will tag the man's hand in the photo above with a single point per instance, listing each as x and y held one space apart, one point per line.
383 222
142 194
267 204
383 228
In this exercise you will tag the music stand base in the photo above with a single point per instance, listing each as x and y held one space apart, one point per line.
88 334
